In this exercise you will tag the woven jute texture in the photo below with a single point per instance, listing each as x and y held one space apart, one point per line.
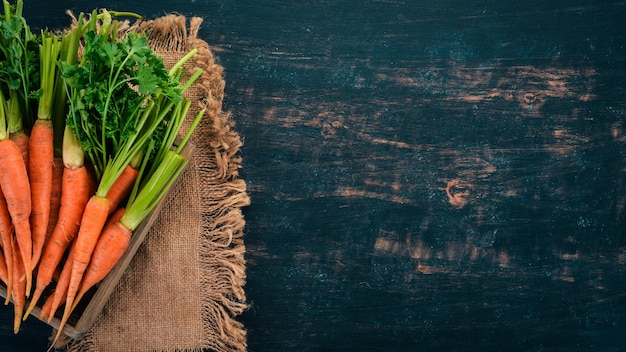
184 289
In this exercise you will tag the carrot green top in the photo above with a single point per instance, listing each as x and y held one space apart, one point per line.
121 97
19 68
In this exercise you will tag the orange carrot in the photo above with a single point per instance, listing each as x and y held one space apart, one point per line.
111 245
60 291
93 179
92 223
41 158
19 288
94 218
74 197
6 240
21 139
115 217
121 187
4 271
57 271
55 196
46 309
16 189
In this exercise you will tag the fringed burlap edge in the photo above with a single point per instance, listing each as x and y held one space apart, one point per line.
223 194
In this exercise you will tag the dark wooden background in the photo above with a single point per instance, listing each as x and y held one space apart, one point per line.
425 175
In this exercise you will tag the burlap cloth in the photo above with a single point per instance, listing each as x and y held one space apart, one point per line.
184 288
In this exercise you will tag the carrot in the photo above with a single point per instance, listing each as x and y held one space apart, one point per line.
22 141
92 223
6 240
60 291
94 218
40 175
74 184
110 247
93 179
16 189
121 187
41 148
55 196
46 309
115 217
19 288
74 197
4 271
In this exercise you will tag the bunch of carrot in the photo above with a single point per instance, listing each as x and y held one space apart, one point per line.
103 146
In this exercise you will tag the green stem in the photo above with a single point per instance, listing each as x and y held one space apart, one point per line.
193 126
7 11
192 79
4 134
176 120
142 169
175 69
154 190
14 113
125 14
49 53
68 54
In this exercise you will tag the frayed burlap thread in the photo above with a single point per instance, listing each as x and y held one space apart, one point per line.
185 287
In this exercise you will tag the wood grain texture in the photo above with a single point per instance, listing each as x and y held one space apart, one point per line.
441 175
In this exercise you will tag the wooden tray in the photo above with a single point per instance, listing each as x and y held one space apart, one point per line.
92 304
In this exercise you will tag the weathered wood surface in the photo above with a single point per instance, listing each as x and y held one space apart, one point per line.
432 175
